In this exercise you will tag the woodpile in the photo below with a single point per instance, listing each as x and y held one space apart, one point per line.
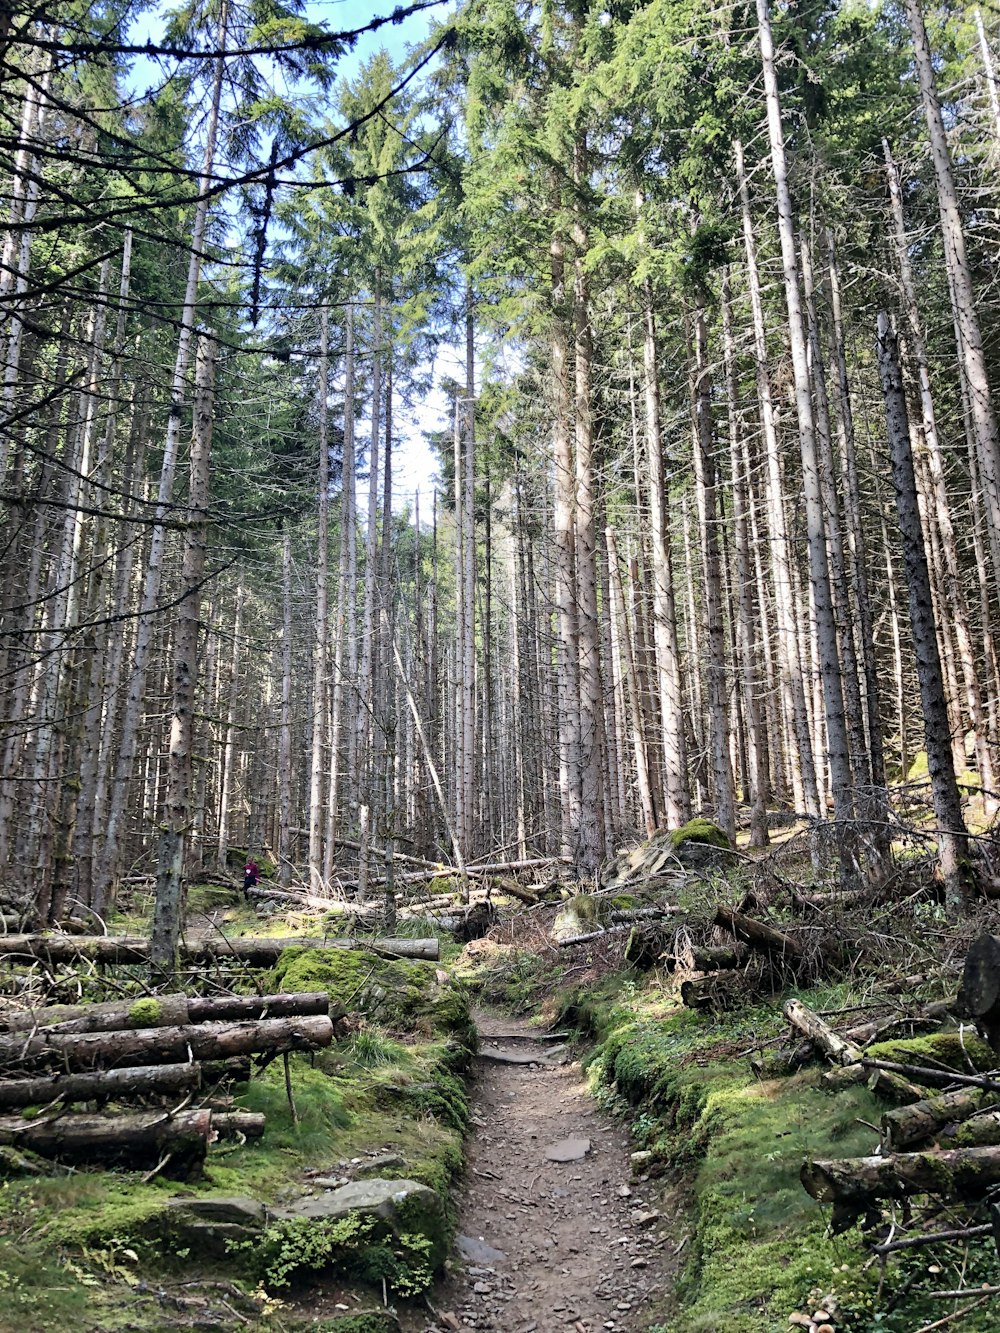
942 1141
167 1048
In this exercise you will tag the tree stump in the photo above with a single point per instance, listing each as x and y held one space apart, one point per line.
981 987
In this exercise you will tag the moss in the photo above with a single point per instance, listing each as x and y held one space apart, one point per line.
936 1050
145 1013
700 830
403 996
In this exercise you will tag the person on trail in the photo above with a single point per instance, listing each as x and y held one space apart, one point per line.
251 874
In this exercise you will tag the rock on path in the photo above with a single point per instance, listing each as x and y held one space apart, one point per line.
569 1245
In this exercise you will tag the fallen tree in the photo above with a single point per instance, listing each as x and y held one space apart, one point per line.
166 1011
906 1125
848 1054
106 1084
255 951
153 1046
758 935
853 1184
179 1142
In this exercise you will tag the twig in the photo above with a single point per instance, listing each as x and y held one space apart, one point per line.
913 1242
961 1294
955 1314
288 1090
157 1168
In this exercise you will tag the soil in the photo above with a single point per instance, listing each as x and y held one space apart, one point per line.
549 1246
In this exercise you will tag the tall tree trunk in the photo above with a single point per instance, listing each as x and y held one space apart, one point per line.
971 359
564 554
109 862
747 624
169 905
345 622
958 612
284 839
708 519
322 628
793 690
591 845
819 573
952 834
668 672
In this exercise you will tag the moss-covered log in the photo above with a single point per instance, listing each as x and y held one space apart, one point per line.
705 958
194 1041
137 1141
979 1131
847 1053
853 1184
906 1125
166 1011
252 950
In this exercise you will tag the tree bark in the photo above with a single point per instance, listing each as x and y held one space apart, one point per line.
136 1141
168 908
255 952
77 1052
952 834
116 1085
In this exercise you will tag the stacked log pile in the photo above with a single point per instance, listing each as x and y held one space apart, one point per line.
164 1049
942 1139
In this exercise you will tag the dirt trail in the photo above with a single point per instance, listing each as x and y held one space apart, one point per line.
549 1246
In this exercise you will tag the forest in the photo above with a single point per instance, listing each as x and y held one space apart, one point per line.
717 500
446 451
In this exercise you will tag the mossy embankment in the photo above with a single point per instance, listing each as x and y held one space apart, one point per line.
729 1148
111 1249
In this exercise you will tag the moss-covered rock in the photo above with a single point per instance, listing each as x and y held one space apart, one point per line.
700 831
391 1230
402 996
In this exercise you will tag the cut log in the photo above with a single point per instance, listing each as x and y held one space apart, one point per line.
704 958
907 1125
254 951
940 1078
644 947
809 1023
759 936
979 1131
138 1141
195 1041
243 1008
981 976
145 1012
781 1064
239 1124
847 1053
643 914
852 1185
105 1085
215 1073
166 1011
718 992
591 936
